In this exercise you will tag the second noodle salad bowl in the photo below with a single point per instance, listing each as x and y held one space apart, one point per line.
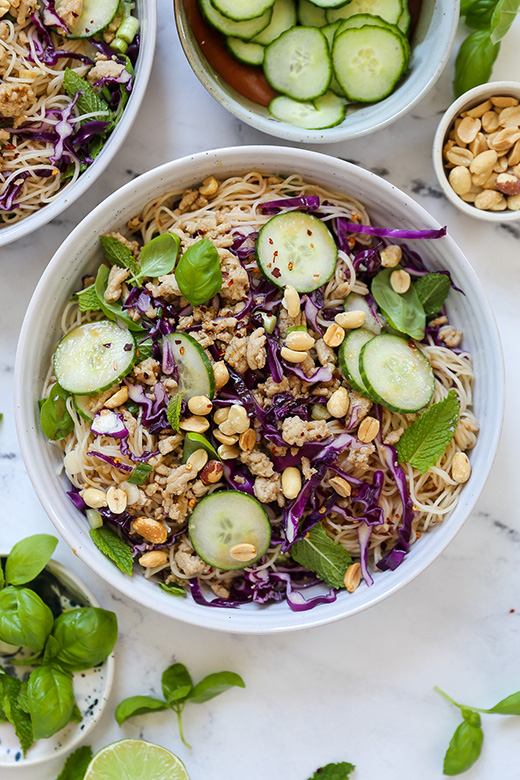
81 254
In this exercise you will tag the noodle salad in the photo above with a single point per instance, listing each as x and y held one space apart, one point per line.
258 392
66 73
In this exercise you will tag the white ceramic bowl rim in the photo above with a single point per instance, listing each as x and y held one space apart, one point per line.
73 582
365 120
66 268
148 15
470 98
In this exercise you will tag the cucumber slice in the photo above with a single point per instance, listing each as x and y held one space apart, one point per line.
404 20
246 51
221 521
330 3
348 356
93 357
298 249
82 406
397 373
283 18
242 10
243 30
195 370
329 31
95 16
355 302
309 15
298 63
368 62
390 10
326 111
370 20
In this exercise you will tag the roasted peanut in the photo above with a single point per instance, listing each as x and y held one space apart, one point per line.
116 500
490 200
151 530
468 128
291 482
93 497
153 559
460 468
458 155
460 179
334 335
292 356
339 402
194 424
291 301
341 486
197 460
299 340
118 398
225 438
212 472
221 415
400 281
228 452
209 186
350 319
221 375
352 577
368 429
391 255
243 552
483 162
200 405
247 440
238 419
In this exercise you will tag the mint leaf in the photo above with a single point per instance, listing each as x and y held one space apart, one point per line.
339 771
113 547
502 19
423 443
89 101
76 764
118 254
432 290
173 590
88 299
173 412
10 689
321 555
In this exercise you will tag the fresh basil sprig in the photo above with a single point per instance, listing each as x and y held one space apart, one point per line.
198 272
158 256
423 443
178 690
466 744
51 700
25 621
323 556
404 311
28 558
55 420
85 637
340 771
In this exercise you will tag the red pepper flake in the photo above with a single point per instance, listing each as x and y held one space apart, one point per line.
117 460
271 241
322 510
230 283
182 350
9 146
290 266
192 502
311 246
276 273
411 345
511 611
316 276
418 534
275 253
309 232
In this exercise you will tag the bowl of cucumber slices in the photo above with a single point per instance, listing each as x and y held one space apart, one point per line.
317 71
210 398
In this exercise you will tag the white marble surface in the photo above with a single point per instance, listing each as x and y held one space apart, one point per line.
360 690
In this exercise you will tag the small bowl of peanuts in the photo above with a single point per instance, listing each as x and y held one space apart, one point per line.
476 152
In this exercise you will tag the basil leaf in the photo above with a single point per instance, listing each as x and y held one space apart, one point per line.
2 577
140 474
25 621
88 299
432 290
176 683
198 272
75 766
339 771
138 705
173 590
508 706
113 311
51 700
86 636
475 60
321 555
478 13
213 685
502 19
423 443
196 441
404 312
28 558
113 547
52 648
12 697
159 255
89 101
464 748
118 254
173 412
55 420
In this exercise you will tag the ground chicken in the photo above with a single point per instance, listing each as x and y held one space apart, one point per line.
450 336
256 354
4 28
147 371
268 490
359 407
178 480
166 288
15 99
130 421
188 562
466 432
359 458
176 508
307 469
325 353
236 354
235 281
284 321
103 69
258 463
69 11
115 281
393 437
170 443
296 431
191 201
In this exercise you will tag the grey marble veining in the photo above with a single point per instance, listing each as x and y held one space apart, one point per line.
360 690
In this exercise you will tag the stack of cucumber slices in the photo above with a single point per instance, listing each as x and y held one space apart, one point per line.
319 55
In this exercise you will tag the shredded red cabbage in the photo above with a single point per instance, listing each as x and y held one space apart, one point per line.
364 532
303 203
116 462
371 230
8 197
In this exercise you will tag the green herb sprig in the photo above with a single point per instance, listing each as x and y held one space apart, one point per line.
340 771
198 272
75 640
423 443
323 556
178 689
466 744
490 21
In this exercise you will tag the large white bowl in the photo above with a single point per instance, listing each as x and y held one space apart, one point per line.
80 254
147 12
431 44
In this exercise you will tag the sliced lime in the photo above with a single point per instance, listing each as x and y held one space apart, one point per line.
134 759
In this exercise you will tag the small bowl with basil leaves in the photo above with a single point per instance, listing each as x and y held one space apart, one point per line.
56 661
